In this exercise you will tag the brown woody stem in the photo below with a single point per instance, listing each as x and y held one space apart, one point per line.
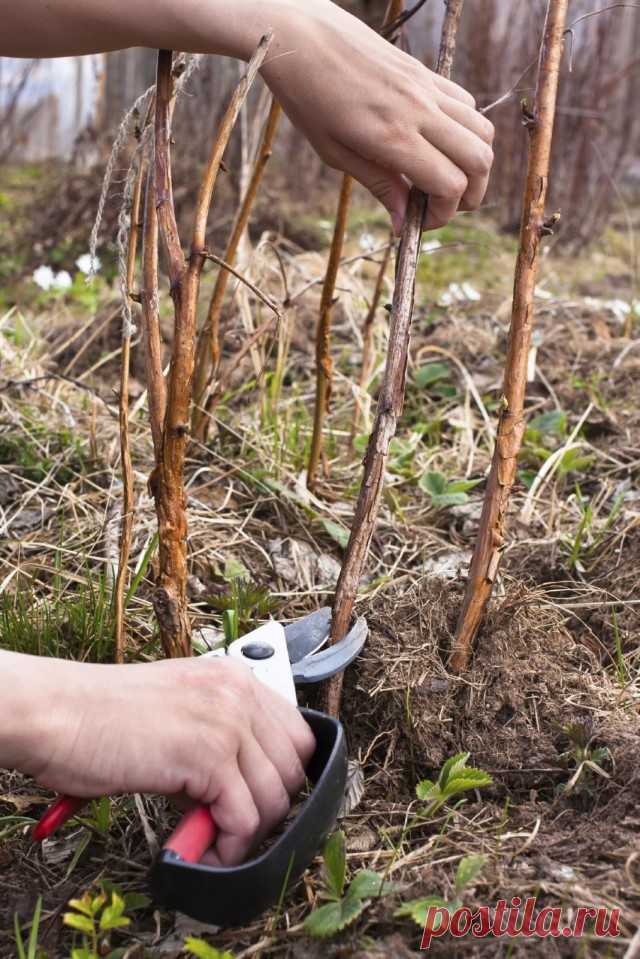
511 426
391 400
167 480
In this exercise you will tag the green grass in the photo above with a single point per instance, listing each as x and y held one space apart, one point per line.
38 451
76 625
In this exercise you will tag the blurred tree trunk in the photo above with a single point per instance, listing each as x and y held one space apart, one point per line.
128 73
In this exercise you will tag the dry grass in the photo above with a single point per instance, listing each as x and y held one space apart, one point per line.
560 644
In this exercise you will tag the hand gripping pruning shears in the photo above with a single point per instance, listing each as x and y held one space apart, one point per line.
282 658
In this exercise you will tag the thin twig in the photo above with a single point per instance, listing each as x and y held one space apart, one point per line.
367 335
324 366
149 300
203 358
125 451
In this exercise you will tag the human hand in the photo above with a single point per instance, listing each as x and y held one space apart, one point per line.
202 727
376 113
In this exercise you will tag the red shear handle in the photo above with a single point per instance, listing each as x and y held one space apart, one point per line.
193 835
58 812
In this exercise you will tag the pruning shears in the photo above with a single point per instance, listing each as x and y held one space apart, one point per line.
282 658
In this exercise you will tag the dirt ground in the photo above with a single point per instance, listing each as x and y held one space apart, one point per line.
550 707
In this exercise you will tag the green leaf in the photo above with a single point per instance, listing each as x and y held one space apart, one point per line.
32 945
435 484
102 814
81 953
336 532
462 486
463 783
369 885
109 921
467 871
234 569
335 863
98 902
332 917
425 789
449 499
136 900
417 909
18 937
112 916
230 625
75 921
452 765
432 373
553 422
574 462
82 905
202 949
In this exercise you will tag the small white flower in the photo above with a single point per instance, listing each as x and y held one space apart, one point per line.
470 292
619 308
367 242
429 245
85 265
62 280
542 294
43 277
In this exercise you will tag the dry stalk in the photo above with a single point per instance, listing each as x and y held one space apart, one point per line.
167 480
209 343
511 425
391 399
123 408
208 353
324 365
368 328
149 301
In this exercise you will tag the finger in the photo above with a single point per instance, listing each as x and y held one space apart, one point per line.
475 193
438 213
270 703
453 90
274 741
465 149
386 186
425 166
236 815
267 789
469 118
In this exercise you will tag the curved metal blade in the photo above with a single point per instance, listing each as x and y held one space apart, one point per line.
308 634
318 666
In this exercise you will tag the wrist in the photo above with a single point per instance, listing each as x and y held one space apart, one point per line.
231 28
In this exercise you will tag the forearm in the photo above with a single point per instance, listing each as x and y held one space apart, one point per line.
20 708
43 28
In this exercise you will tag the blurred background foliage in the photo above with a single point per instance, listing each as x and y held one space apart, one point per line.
61 116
